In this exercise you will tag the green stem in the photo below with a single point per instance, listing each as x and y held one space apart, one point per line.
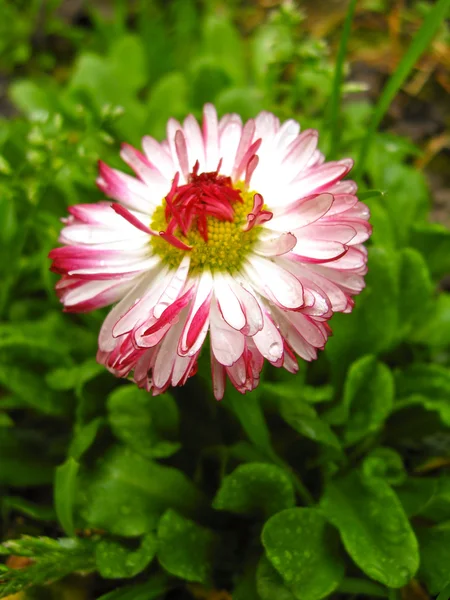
410 58
336 92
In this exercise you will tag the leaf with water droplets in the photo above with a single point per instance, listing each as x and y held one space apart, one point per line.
116 561
373 527
303 548
255 488
146 423
126 493
185 549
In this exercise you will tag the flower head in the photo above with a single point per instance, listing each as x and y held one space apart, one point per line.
239 230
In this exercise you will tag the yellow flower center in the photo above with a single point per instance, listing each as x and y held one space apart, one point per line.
227 243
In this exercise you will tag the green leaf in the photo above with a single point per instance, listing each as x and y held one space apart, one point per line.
415 284
438 508
373 527
128 58
126 493
84 438
434 557
255 488
270 584
64 493
375 314
303 418
30 97
419 44
367 399
294 390
301 546
74 377
385 463
433 241
250 416
116 561
168 98
185 549
143 422
222 42
427 385
246 101
153 589
30 509
434 330
30 389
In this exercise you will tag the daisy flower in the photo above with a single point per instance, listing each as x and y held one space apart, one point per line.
242 231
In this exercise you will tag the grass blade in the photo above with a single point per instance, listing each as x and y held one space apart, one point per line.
410 58
336 92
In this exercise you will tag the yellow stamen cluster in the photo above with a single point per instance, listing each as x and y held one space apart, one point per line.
227 244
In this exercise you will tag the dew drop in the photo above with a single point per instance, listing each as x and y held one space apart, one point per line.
275 349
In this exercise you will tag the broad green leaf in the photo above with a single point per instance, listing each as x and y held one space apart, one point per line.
434 557
270 584
128 59
184 548
116 561
375 314
303 418
302 547
126 493
5 420
64 493
255 488
367 399
373 527
385 463
144 422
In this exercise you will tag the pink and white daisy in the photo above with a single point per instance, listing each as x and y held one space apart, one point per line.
238 230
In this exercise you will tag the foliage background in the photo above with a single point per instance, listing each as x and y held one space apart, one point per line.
331 483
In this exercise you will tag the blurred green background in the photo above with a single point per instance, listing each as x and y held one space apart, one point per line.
138 488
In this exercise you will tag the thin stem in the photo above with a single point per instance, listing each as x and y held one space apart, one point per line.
336 92
410 58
